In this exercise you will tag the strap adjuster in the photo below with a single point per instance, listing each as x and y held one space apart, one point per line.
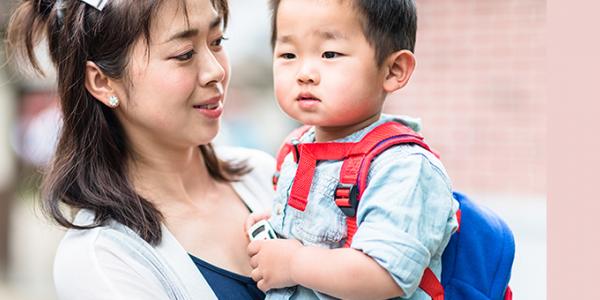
346 198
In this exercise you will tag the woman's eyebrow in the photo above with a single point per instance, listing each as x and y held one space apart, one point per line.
183 35
216 22
192 32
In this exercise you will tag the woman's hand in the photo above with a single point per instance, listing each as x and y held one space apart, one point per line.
270 262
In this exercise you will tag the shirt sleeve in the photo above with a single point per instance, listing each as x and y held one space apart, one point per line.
86 267
406 214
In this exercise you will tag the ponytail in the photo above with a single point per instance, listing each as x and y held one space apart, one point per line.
26 28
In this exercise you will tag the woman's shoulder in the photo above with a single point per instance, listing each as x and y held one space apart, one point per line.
80 249
100 260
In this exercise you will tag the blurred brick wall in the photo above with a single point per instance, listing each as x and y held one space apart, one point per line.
479 87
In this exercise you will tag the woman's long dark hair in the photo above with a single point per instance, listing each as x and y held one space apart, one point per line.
89 169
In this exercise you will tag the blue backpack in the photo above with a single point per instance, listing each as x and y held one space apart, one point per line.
478 259
476 264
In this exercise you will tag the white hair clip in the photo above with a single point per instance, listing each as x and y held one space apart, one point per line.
97 4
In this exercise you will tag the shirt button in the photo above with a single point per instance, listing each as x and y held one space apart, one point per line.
278 209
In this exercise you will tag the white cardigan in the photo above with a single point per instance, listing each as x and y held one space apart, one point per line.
112 262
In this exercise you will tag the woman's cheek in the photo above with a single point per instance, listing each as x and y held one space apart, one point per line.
179 82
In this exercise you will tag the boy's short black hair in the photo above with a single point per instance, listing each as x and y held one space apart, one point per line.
388 25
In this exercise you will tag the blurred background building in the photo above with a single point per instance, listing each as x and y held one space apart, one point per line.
479 89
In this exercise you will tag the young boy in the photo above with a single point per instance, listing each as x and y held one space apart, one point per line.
334 63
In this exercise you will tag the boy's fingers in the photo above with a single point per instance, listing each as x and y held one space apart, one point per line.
254 247
256 276
249 222
255 217
262 286
254 261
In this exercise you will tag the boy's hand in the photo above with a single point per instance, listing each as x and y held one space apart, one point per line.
270 261
255 217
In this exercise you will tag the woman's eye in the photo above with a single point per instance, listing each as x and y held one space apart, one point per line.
218 42
288 56
186 56
330 54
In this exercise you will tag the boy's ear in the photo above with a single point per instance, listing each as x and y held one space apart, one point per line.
98 84
399 67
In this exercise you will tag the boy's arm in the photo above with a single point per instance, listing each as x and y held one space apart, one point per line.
342 273
406 215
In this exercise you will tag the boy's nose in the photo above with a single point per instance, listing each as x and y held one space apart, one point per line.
308 75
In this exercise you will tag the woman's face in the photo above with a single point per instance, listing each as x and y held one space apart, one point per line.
174 92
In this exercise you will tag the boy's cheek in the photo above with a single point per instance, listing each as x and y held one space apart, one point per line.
338 87
280 70
283 85
279 88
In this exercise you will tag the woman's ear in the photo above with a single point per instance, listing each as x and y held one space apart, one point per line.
100 85
399 67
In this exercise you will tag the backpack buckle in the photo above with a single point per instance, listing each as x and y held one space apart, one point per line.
346 198
275 179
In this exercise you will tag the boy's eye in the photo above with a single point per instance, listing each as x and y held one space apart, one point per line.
330 54
288 56
186 56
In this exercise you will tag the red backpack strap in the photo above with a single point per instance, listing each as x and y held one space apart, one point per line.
349 190
306 155
288 145
431 285
353 181
309 154
508 295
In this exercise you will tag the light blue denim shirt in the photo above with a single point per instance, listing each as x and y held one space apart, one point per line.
405 217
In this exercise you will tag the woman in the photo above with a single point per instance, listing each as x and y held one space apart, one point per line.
142 85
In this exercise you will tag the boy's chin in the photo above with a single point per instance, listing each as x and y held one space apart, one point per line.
308 118
311 122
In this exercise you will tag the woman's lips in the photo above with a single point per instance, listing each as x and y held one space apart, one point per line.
211 111
208 106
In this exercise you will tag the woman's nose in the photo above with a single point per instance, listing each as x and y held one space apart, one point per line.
211 70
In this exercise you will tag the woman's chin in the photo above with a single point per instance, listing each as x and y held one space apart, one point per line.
206 134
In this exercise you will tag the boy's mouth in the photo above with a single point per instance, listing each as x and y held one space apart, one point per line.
307 97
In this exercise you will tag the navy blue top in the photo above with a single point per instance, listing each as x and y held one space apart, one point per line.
226 284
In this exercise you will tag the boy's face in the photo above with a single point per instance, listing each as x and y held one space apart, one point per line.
325 72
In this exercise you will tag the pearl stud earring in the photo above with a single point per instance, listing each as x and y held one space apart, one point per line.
113 101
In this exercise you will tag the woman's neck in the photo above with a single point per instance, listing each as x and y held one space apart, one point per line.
170 175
